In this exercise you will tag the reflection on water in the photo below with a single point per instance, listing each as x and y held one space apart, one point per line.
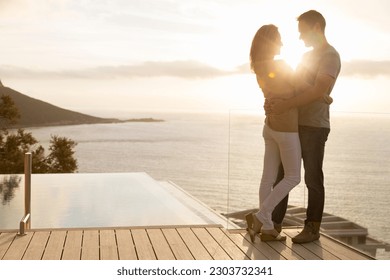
8 185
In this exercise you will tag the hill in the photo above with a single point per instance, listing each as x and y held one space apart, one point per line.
34 112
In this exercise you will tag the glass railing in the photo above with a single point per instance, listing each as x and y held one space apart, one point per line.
356 167
218 159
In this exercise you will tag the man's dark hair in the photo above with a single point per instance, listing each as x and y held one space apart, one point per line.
312 17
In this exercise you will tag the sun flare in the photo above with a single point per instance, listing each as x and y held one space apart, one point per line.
292 51
293 48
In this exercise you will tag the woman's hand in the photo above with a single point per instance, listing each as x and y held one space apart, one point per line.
274 106
267 106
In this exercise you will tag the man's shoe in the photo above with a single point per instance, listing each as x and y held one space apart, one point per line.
310 232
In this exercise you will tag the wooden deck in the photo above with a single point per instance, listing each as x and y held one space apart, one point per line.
165 243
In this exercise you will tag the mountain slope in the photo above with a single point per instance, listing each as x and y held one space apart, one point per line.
34 112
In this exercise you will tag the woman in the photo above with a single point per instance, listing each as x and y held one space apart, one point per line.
280 132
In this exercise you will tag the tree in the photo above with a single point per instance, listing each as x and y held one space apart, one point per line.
8 185
61 158
13 146
9 114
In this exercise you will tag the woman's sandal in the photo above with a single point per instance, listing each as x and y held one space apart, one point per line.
271 235
249 221
254 225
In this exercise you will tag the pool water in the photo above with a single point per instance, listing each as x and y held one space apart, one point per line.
83 200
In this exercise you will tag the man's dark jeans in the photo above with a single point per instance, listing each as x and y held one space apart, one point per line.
313 141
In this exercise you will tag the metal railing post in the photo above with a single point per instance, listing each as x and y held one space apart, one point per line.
25 223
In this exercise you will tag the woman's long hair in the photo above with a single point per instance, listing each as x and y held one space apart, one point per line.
263 45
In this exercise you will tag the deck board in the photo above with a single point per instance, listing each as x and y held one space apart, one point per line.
160 244
126 248
342 251
142 244
308 251
90 247
248 247
320 252
37 246
178 247
55 246
282 249
194 245
301 251
6 239
212 246
72 248
165 243
108 246
18 247
231 249
264 248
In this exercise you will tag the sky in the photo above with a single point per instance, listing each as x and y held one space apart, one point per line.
181 55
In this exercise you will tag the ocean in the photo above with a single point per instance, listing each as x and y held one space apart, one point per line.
218 159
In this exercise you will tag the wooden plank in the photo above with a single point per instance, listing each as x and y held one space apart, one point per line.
160 245
177 245
18 247
126 248
143 246
298 249
246 246
231 249
55 246
90 247
264 248
320 252
6 239
214 249
108 246
312 247
37 246
282 248
338 249
193 244
72 248
330 249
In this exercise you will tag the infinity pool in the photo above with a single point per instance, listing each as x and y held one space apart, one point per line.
81 200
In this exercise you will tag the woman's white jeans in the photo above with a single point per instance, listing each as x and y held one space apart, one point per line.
280 147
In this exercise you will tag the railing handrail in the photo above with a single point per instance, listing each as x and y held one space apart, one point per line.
25 223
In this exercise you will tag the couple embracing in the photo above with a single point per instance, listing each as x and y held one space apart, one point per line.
296 125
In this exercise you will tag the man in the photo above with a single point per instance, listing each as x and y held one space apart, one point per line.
319 70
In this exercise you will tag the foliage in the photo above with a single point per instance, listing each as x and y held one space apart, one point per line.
14 144
61 158
8 186
8 112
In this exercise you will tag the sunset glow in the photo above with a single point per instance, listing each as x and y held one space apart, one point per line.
183 53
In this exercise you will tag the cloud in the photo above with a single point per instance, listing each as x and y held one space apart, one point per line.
366 68
185 69
36 9
182 69
361 68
